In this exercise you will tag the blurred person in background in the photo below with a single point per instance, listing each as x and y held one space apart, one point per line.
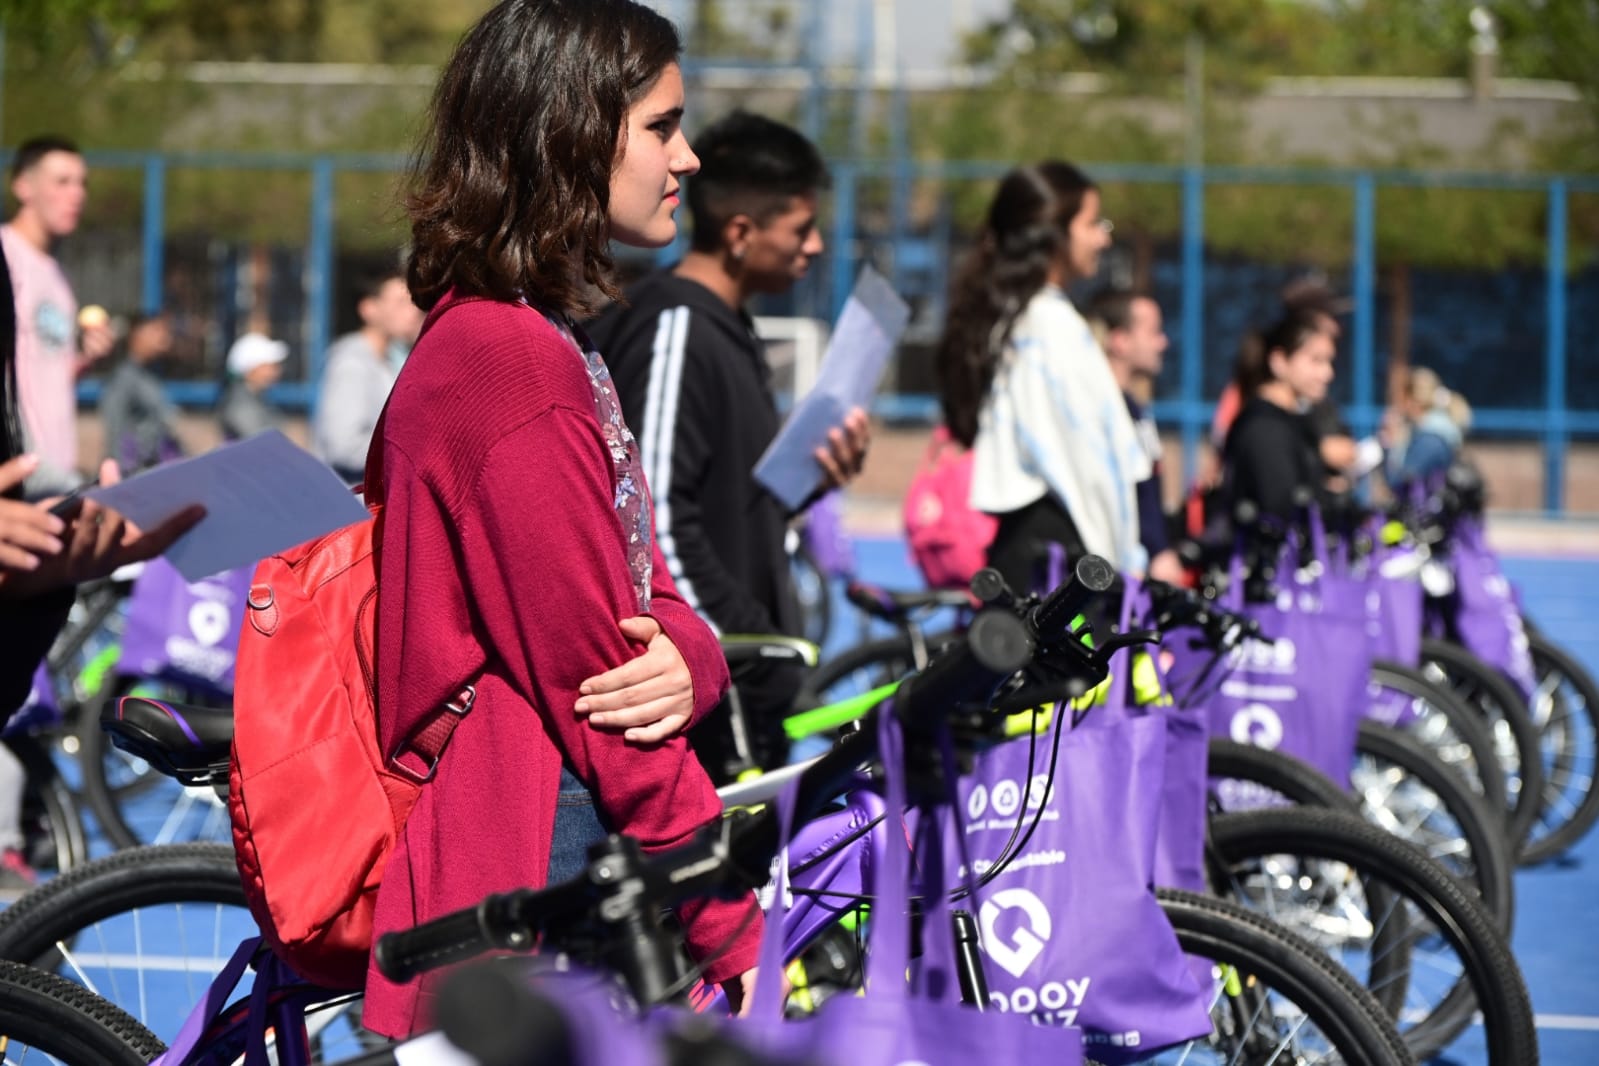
255 364
1425 433
1132 333
696 387
1056 456
50 182
141 424
42 559
1272 447
360 372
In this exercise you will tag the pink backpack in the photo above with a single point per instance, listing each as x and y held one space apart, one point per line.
948 539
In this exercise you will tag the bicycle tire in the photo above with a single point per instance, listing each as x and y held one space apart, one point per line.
1492 867
1344 1011
1278 772
888 658
68 1023
1549 659
1485 773
136 877
1496 986
52 822
814 592
1485 689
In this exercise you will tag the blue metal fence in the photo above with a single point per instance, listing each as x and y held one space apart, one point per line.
1189 411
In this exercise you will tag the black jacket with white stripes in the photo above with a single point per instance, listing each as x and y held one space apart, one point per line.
696 391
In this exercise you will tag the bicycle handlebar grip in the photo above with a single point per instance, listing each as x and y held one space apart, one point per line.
1091 576
1000 642
989 587
452 938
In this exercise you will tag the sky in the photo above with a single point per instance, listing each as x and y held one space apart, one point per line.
926 32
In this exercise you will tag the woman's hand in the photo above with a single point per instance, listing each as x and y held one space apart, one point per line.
97 541
29 533
651 697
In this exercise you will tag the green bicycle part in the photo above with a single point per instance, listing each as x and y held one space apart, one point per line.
93 675
1147 692
836 715
1231 982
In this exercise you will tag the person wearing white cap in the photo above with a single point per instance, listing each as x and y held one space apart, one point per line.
255 362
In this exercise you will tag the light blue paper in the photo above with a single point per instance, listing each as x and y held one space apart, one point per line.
260 495
870 327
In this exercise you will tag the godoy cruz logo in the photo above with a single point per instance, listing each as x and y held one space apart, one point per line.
1257 725
1027 942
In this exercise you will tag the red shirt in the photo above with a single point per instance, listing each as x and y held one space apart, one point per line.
501 544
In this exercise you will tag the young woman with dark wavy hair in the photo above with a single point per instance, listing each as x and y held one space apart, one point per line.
1055 454
516 541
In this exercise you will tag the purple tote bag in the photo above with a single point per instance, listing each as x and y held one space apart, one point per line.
1304 691
185 631
41 710
1071 931
1482 612
1396 606
1180 830
897 1023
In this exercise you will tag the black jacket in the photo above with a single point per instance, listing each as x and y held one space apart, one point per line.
696 391
1271 453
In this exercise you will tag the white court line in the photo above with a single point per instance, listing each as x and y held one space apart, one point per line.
162 963
1580 1022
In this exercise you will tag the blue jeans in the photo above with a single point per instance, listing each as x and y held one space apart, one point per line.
577 825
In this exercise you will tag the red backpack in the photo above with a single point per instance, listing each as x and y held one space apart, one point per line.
316 805
948 539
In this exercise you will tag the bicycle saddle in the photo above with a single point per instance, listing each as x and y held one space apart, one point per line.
896 606
185 742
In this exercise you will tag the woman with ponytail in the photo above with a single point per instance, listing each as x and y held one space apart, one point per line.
1056 457
1271 451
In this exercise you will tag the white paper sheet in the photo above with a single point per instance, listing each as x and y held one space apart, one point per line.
261 496
431 1049
870 327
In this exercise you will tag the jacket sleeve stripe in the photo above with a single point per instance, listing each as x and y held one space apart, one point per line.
660 430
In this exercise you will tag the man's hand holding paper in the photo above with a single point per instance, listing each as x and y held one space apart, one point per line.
824 441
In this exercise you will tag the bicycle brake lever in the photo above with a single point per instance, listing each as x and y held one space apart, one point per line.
1117 641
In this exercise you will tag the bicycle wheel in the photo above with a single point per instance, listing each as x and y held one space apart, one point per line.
1516 737
1398 785
1452 730
1276 999
146 928
1565 708
52 826
859 669
1244 777
1406 789
149 928
134 804
814 592
1347 886
65 1023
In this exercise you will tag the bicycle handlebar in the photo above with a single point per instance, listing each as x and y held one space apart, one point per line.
623 891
